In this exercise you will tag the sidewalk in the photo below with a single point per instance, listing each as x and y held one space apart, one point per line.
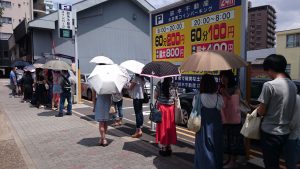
70 142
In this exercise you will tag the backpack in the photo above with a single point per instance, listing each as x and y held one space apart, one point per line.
66 84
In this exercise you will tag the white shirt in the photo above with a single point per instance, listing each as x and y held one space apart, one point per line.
138 89
210 101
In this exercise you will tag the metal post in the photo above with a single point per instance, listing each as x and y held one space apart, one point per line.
76 54
153 125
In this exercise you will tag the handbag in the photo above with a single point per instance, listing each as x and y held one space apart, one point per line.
178 111
146 98
112 108
194 122
251 127
244 106
155 114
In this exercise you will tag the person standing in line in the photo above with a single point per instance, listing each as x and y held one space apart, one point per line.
19 74
166 130
277 102
231 117
102 107
117 100
137 88
292 147
13 81
209 139
56 89
27 82
40 89
65 83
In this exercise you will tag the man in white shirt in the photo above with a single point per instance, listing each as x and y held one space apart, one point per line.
277 102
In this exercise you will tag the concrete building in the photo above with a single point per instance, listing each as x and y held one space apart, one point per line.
39 8
118 29
14 13
50 6
288 45
261 27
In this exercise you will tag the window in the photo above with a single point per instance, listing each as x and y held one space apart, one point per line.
293 40
5 4
258 32
6 20
258 26
258 14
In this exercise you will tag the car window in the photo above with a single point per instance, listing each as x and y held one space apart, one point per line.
82 78
256 88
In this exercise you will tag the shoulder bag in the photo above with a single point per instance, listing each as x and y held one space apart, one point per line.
194 122
178 111
251 127
155 114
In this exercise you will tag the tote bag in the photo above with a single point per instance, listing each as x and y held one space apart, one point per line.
178 111
194 122
251 127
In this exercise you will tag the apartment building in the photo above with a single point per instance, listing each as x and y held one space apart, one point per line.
261 27
14 12
288 45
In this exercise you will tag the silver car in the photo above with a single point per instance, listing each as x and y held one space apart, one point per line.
86 89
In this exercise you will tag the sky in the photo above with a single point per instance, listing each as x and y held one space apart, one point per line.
287 10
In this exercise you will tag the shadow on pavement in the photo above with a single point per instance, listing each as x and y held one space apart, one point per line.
132 146
90 116
48 113
92 142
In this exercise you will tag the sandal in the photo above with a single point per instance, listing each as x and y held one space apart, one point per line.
163 152
103 143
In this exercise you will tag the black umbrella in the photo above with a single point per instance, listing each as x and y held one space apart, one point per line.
160 69
20 63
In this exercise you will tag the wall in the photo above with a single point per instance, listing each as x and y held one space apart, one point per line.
109 29
41 42
292 55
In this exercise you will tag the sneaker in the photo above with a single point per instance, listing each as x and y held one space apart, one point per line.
69 114
59 115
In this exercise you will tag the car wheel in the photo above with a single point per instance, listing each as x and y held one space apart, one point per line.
186 110
89 95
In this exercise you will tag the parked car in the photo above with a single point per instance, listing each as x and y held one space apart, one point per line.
256 87
86 89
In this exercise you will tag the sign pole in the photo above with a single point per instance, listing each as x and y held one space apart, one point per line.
153 125
76 55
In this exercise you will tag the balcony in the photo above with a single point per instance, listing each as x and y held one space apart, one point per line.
39 10
39 7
